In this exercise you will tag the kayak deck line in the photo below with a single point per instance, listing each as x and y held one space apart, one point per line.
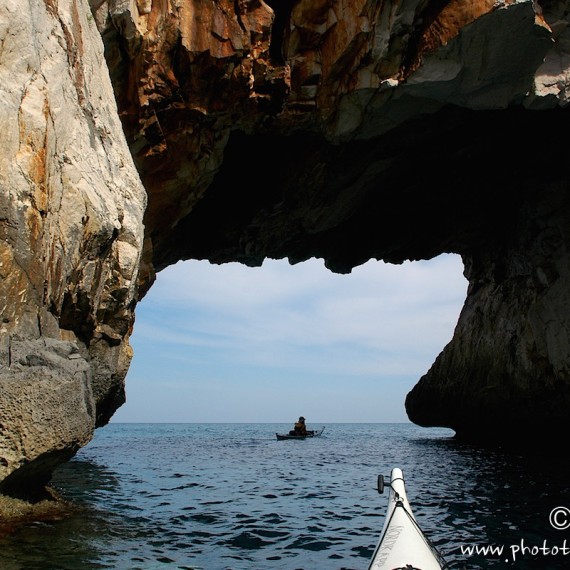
402 542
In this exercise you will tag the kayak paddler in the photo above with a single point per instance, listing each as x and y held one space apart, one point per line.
300 427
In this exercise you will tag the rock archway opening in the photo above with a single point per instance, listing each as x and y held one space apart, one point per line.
231 343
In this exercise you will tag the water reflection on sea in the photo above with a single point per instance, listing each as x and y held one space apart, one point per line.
230 496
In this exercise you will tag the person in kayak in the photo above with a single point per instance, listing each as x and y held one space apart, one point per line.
300 427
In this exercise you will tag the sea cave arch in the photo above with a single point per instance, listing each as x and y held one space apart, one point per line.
486 199
349 133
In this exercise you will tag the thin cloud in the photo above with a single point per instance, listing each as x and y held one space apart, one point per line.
281 321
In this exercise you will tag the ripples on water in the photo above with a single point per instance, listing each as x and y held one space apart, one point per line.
230 496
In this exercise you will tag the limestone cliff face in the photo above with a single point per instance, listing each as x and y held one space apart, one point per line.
291 129
71 208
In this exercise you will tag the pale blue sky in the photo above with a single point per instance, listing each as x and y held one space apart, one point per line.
230 343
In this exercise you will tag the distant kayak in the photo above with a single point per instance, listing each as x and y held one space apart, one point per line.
402 542
290 435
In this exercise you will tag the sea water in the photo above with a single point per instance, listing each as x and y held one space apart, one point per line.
231 496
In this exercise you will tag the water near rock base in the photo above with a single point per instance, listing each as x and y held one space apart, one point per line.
230 496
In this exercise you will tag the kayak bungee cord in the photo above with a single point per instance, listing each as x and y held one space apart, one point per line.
400 503
403 545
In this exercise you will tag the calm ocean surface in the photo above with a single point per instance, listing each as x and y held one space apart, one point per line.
230 496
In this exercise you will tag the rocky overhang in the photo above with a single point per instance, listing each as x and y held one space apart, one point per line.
141 133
